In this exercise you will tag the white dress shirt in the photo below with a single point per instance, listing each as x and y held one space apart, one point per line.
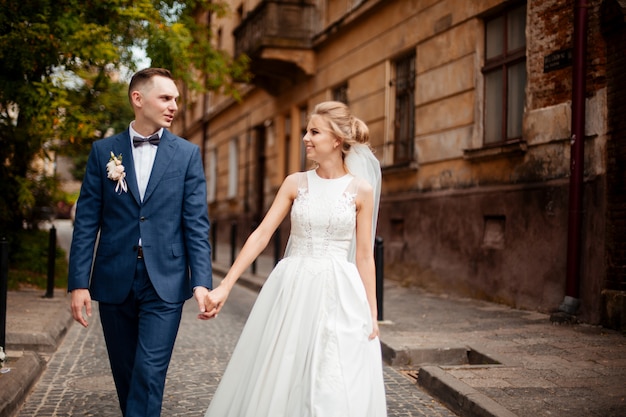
143 157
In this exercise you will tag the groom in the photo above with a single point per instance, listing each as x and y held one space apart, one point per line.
142 207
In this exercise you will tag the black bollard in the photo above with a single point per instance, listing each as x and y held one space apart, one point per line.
233 241
277 246
52 252
254 226
380 263
4 282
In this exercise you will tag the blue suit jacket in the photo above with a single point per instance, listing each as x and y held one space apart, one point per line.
172 222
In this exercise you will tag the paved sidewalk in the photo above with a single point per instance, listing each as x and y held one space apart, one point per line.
480 359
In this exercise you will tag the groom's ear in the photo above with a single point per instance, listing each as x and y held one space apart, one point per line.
136 99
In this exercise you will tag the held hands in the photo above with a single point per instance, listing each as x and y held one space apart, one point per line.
213 302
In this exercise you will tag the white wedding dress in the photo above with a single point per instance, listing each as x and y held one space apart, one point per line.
304 351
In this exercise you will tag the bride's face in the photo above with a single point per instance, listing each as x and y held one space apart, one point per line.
319 140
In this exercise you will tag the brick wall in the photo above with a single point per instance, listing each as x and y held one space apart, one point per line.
550 26
551 29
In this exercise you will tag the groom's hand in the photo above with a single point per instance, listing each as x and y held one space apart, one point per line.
200 294
81 298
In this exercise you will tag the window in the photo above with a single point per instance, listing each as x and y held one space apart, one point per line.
287 130
259 164
505 75
220 39
233 168
212 177
404 123
340 93
303 125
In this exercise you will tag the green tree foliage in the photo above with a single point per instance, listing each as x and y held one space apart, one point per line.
59 60
98 108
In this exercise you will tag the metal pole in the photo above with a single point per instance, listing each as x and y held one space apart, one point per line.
579 72
254 226
277 246
233 241
4 281
380 264
52 251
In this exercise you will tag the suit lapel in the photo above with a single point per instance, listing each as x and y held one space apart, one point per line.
129 165
162 160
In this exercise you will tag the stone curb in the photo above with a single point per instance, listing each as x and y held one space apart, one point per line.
459 397
41 342
456 395
17 383
26 369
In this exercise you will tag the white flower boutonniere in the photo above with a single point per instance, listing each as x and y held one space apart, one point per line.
115 172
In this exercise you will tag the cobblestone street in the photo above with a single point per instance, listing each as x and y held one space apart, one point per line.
77 381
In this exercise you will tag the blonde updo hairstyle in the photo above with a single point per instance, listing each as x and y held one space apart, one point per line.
349 129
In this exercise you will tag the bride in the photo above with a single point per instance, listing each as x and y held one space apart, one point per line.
310 347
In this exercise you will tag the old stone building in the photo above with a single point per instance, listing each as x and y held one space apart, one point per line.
499 126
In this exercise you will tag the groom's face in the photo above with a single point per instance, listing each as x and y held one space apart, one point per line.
155 104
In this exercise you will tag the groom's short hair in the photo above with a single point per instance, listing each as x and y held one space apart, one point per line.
142 77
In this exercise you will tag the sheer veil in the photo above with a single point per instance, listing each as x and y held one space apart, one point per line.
362 163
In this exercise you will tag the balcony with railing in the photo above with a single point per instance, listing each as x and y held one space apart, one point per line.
277 36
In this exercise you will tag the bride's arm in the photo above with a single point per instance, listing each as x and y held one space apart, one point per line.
256 242
365 252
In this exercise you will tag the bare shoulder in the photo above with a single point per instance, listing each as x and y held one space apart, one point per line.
363 187
292 180
294 177
364 192
290 184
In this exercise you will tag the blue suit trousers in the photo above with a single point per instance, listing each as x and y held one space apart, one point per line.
140 334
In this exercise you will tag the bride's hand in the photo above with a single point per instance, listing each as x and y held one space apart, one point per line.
375 332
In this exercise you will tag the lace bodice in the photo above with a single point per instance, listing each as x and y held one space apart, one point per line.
323 216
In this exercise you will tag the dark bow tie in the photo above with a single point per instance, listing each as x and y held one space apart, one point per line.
138 140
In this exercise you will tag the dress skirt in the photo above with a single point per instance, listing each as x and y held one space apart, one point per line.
304 351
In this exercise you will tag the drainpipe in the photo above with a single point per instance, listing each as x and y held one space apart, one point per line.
571 301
